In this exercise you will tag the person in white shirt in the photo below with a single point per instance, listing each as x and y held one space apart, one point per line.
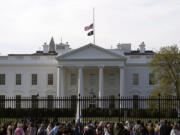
174 130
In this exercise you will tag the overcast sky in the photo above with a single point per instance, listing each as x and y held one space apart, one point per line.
26 24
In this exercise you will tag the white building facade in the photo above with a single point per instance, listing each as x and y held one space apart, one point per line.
89 71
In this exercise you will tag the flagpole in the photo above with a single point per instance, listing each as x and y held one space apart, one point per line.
93 27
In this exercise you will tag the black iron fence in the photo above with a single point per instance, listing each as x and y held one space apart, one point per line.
113 108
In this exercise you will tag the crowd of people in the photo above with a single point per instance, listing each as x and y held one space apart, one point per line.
30 127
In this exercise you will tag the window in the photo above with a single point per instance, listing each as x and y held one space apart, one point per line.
18 79
111 102
73 79
135 78
135 102
34 79
111 79
151 79
50 79
2 101
92 78
18 101
34 101
50 101
2 79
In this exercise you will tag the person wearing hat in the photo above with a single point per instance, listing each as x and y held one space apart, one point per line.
126 126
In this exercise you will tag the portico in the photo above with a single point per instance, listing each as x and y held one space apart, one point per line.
95 68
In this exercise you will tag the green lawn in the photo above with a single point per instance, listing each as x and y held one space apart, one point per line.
86 119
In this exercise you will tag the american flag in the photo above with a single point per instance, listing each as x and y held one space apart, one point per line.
88 27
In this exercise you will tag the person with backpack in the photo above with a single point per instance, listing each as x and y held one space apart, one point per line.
137 128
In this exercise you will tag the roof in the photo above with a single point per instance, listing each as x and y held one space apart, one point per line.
91 46
38 53
148 52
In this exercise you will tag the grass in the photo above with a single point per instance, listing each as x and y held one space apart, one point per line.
86 119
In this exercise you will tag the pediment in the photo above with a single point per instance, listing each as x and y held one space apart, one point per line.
90 51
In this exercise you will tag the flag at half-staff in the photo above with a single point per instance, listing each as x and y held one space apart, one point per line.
91 26
90 33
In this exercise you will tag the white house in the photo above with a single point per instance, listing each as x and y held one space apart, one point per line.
89 71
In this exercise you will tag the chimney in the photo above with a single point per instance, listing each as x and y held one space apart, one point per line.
52 46
45 48
142 47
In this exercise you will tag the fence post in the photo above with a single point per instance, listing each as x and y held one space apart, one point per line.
119 107
159 105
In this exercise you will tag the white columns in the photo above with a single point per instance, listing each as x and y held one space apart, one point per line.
60 82
122 89
101 85
80 91
60 85
80 81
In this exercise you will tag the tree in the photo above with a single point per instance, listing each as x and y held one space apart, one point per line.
166 67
